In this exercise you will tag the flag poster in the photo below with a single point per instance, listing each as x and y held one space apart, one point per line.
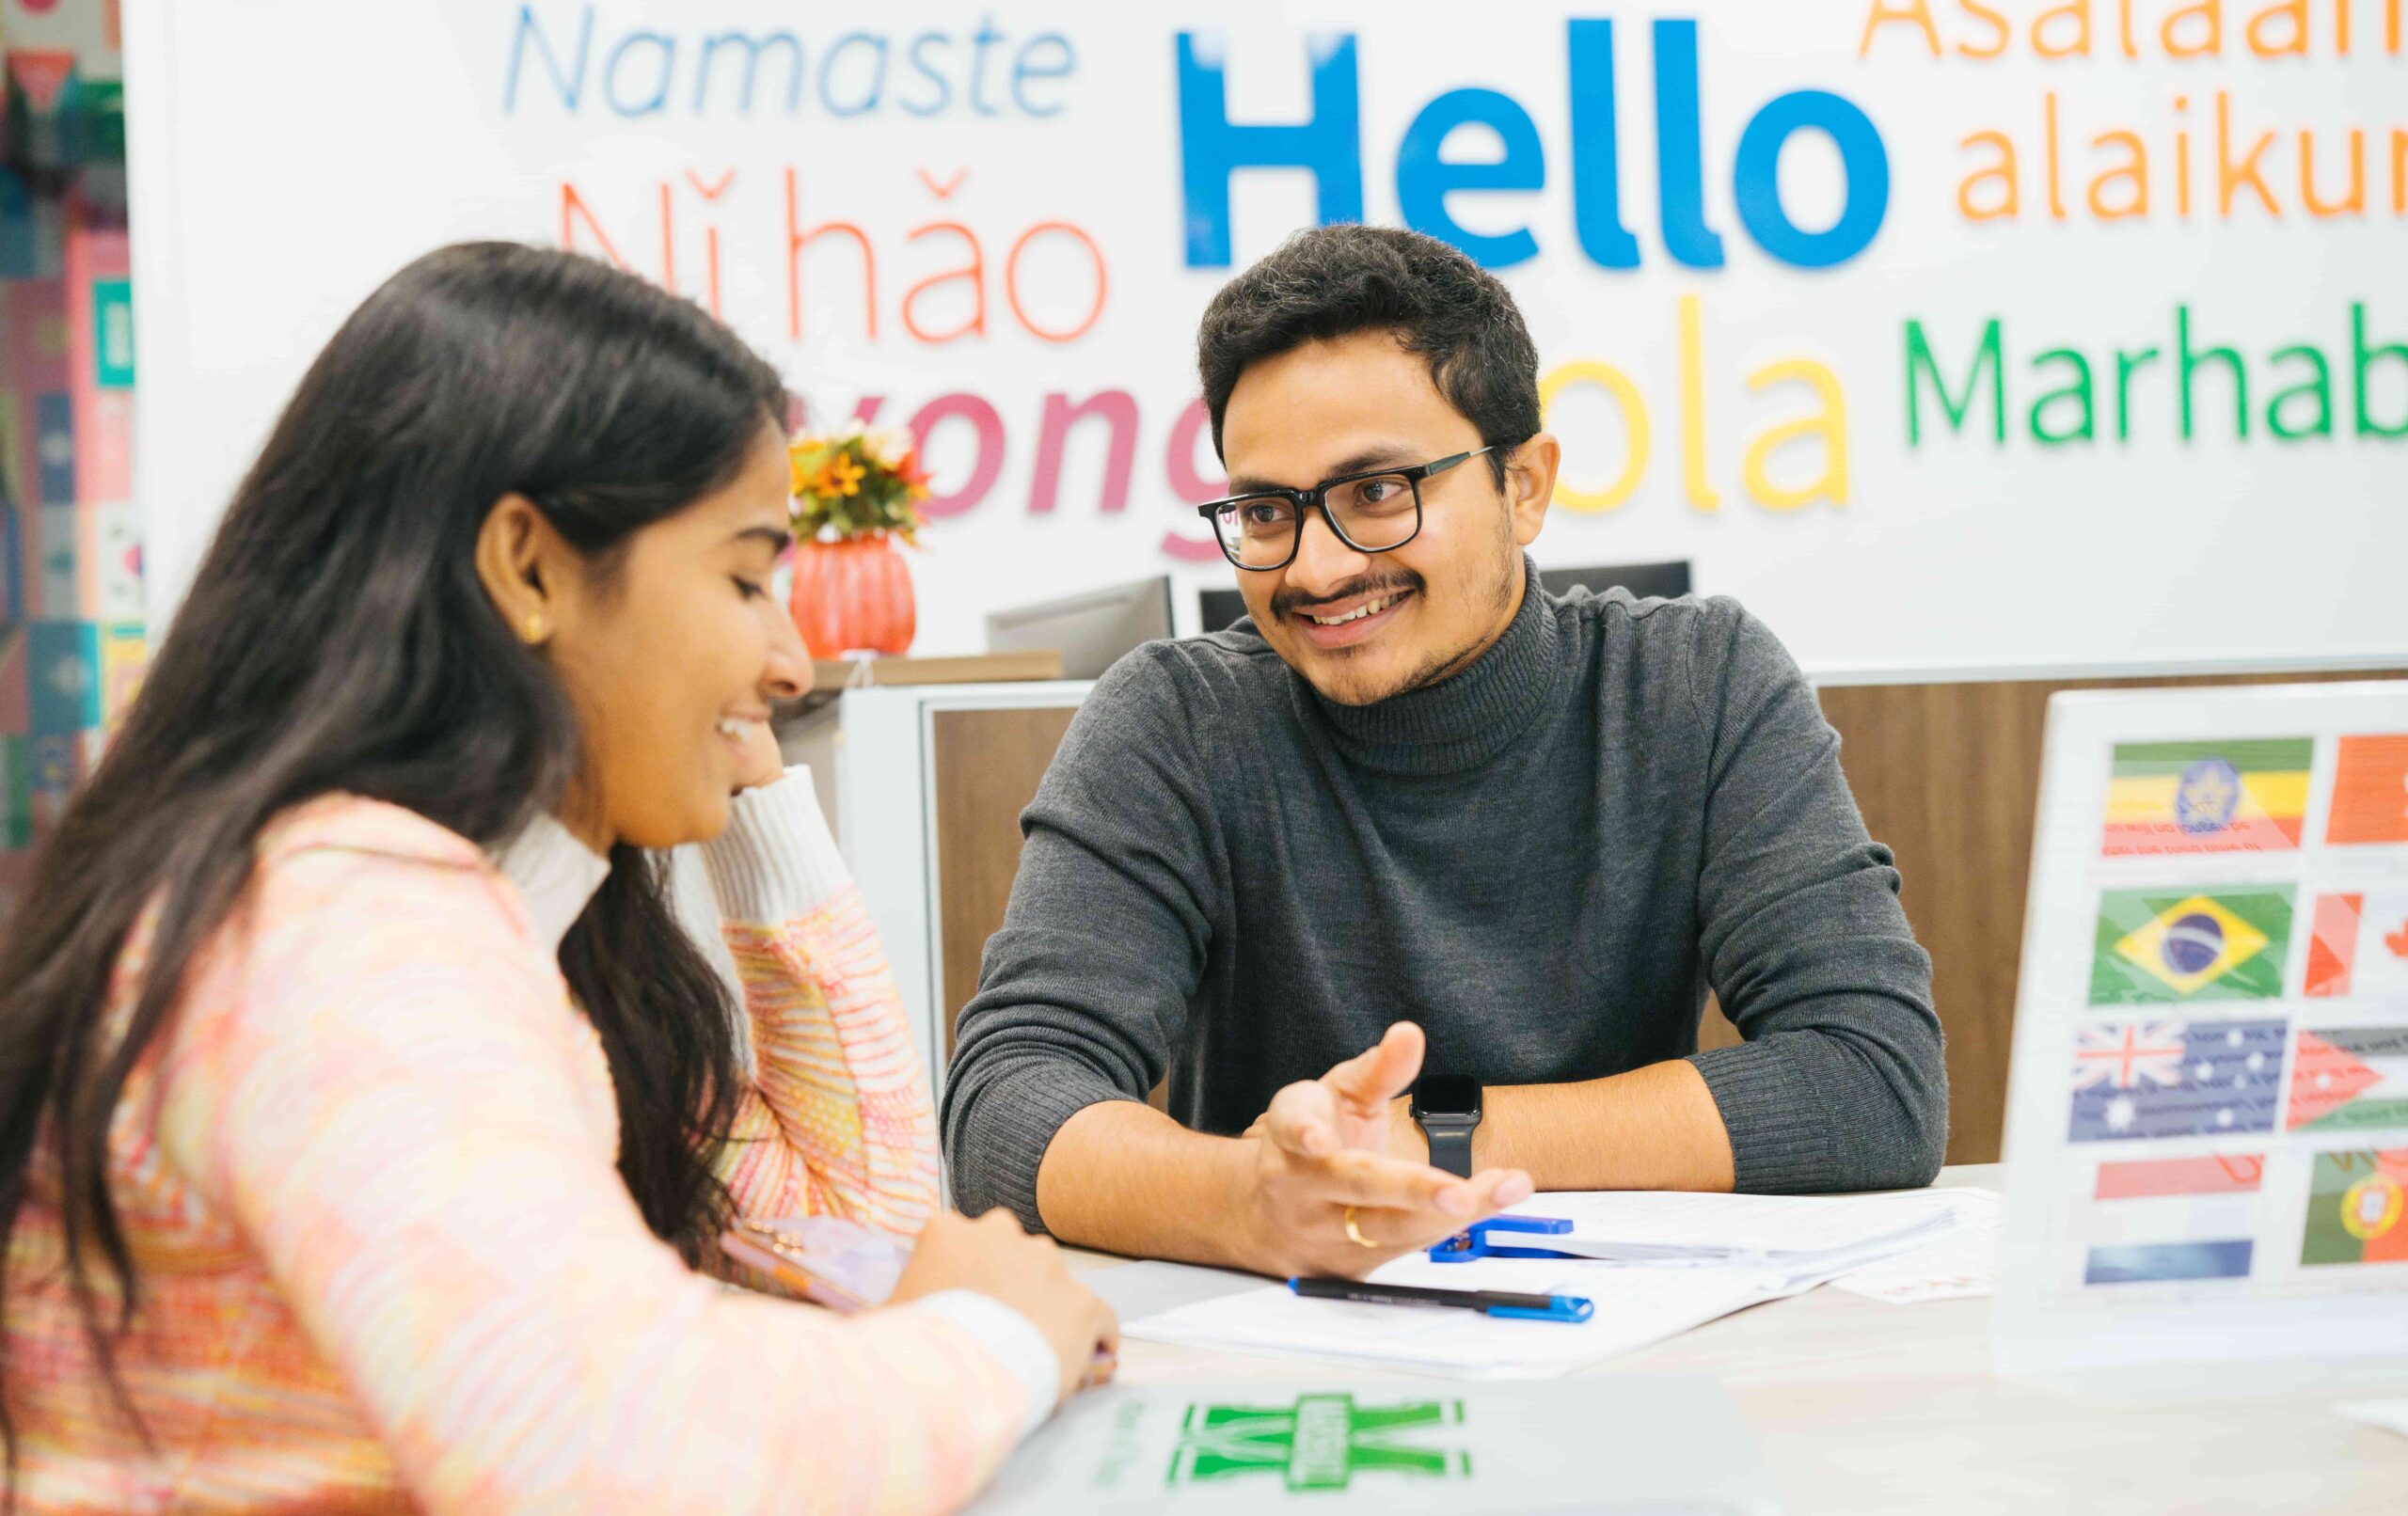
2176 1078
2354 1203
2370 791
2358 945
2240 797
2176 944
2207 1140
2350 1078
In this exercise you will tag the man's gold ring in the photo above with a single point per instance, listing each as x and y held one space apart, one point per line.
1354 1233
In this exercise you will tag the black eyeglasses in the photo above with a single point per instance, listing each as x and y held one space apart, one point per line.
1371 513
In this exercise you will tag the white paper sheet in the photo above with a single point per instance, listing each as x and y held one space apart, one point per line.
1962 1264
1798 1234
1635 1306
1705 1256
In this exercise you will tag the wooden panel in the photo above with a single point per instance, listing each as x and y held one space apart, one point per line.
1949 776
987 765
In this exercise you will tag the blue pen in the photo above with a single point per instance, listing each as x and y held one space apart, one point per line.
1503 1302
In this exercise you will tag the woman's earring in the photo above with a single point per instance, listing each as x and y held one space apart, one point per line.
531 629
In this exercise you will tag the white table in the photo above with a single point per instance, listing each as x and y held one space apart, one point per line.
1861 1408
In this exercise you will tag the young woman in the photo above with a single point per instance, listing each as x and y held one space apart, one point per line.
363 1113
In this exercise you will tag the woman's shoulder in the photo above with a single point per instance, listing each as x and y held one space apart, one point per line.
355 824
343 863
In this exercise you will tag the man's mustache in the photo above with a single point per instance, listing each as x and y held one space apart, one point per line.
1289 602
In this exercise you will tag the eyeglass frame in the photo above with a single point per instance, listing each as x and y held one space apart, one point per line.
1317 498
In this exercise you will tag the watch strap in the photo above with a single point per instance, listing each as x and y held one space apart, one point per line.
1450 1144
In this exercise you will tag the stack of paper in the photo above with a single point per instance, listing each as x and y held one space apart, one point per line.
1799 1237
1654 1264
1960 1265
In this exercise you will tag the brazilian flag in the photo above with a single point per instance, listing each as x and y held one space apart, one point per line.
2176 945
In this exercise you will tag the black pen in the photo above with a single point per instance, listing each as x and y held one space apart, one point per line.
1490 1302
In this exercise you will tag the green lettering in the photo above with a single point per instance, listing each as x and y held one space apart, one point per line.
2077 390
2362 358
2192 362
2318 388
2126 365
1921 364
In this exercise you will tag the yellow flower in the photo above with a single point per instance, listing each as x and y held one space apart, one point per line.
802 466
844 475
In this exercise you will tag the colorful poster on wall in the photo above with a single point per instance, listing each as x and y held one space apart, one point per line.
1950 339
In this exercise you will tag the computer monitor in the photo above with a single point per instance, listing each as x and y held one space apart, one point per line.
1669 581
1092 630
1220 609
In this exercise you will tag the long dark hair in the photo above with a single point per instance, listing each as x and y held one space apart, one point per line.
337 638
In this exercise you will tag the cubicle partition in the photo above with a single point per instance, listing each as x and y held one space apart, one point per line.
928 786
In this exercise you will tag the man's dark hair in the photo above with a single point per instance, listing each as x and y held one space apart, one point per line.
1328 282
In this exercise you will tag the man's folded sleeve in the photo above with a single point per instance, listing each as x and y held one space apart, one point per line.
1842 1083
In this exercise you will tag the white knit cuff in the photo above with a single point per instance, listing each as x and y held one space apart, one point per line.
777 859
1011 1338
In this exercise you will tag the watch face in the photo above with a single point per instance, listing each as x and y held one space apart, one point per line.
1446 1094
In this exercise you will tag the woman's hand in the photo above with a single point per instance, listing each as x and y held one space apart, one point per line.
993 1256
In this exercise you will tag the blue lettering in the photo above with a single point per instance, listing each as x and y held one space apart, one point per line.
753 47
1424 178
877 75
1680 171
571 86
1329 145
665 51
1597 167
1756 178
981 41
1023 71
932 73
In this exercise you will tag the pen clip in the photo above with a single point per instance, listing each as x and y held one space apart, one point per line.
1472 1242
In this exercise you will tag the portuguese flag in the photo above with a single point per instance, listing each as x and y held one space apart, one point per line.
2354 1209
2241 797
2163 945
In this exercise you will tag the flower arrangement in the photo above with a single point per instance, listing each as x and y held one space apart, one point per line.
856 482
856 494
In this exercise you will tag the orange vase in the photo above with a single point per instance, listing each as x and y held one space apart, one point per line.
854 596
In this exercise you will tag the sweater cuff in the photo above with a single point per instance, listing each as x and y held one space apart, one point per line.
777 859
1010 1338
1779 1141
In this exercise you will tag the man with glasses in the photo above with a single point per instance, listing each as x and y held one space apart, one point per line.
1412 884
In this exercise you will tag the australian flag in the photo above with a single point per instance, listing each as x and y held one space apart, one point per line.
2176 1078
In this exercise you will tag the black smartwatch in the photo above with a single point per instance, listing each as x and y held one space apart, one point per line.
1447 1108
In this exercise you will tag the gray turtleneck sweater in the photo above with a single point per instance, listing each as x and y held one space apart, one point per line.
1546 861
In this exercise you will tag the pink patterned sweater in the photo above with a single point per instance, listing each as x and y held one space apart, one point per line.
385 1259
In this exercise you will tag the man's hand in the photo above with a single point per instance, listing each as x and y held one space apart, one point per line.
1325 1146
